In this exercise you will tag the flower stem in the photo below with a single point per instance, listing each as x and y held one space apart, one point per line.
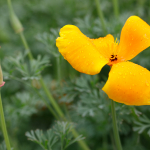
116 8
26 45
4 129
100 14
10 6
115 127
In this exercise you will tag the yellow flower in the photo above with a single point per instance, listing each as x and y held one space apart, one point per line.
127 83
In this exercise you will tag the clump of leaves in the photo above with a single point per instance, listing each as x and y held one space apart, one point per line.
46 141
60 134
142 124
49 40
29 70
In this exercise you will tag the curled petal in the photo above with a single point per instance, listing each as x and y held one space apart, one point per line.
135 37
79 51
128 83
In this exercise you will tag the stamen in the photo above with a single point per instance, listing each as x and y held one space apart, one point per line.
113 58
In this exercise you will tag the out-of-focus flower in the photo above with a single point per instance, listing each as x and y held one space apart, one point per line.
128 83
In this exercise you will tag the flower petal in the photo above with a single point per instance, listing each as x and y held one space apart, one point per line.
135 37
108 47
105 45
79 51
128 83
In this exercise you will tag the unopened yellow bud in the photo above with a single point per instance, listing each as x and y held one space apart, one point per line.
16 24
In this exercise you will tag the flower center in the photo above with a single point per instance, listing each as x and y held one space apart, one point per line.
113 58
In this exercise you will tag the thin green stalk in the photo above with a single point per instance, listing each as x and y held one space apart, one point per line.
53 102
100 14
4 129
41 80
115 127
116 8
10 6
26 45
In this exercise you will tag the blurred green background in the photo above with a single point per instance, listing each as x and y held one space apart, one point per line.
79 95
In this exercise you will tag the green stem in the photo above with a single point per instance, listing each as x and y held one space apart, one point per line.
4 129
116 8
53 102
115 127
26 45
10 6
41 80
100 14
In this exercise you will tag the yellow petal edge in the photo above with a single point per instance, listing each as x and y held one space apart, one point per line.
79 51
128 83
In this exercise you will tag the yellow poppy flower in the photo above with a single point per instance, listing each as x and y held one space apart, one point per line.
127 83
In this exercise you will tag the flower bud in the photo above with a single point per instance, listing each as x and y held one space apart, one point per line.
16 24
